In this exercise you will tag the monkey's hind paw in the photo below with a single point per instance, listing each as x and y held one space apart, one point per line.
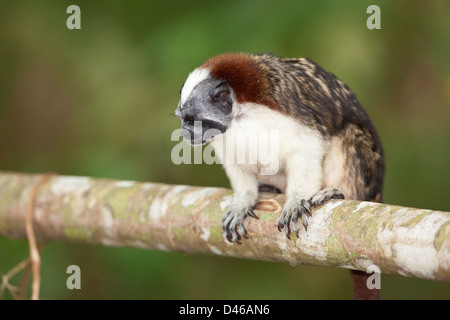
233 224
292 212
324 195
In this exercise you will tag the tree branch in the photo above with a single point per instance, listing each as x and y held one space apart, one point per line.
348 234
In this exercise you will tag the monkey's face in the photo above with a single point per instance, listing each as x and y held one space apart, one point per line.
204 109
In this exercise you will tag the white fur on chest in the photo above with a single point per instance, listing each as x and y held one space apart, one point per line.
273 147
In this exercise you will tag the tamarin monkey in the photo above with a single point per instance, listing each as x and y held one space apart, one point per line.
327 148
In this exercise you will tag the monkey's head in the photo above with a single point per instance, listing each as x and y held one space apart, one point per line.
214 93
205 107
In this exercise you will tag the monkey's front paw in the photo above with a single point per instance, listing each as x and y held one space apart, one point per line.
233 224
292 211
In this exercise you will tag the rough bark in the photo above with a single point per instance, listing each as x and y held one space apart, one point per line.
348 234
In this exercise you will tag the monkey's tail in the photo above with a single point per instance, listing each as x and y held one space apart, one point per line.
361 290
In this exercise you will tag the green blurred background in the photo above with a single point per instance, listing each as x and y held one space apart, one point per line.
98 102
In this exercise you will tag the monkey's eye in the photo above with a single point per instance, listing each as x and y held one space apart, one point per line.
220 93
221 96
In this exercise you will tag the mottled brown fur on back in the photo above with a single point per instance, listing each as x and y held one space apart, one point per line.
318 99
354 164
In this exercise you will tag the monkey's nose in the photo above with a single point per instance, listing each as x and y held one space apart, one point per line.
178 110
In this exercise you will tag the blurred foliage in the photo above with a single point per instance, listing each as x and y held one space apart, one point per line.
99 102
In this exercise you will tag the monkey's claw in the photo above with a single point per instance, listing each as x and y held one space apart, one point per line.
292 213
233 224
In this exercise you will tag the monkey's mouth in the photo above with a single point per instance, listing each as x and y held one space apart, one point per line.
198 132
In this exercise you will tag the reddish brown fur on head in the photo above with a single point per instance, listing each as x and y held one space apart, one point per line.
244 74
